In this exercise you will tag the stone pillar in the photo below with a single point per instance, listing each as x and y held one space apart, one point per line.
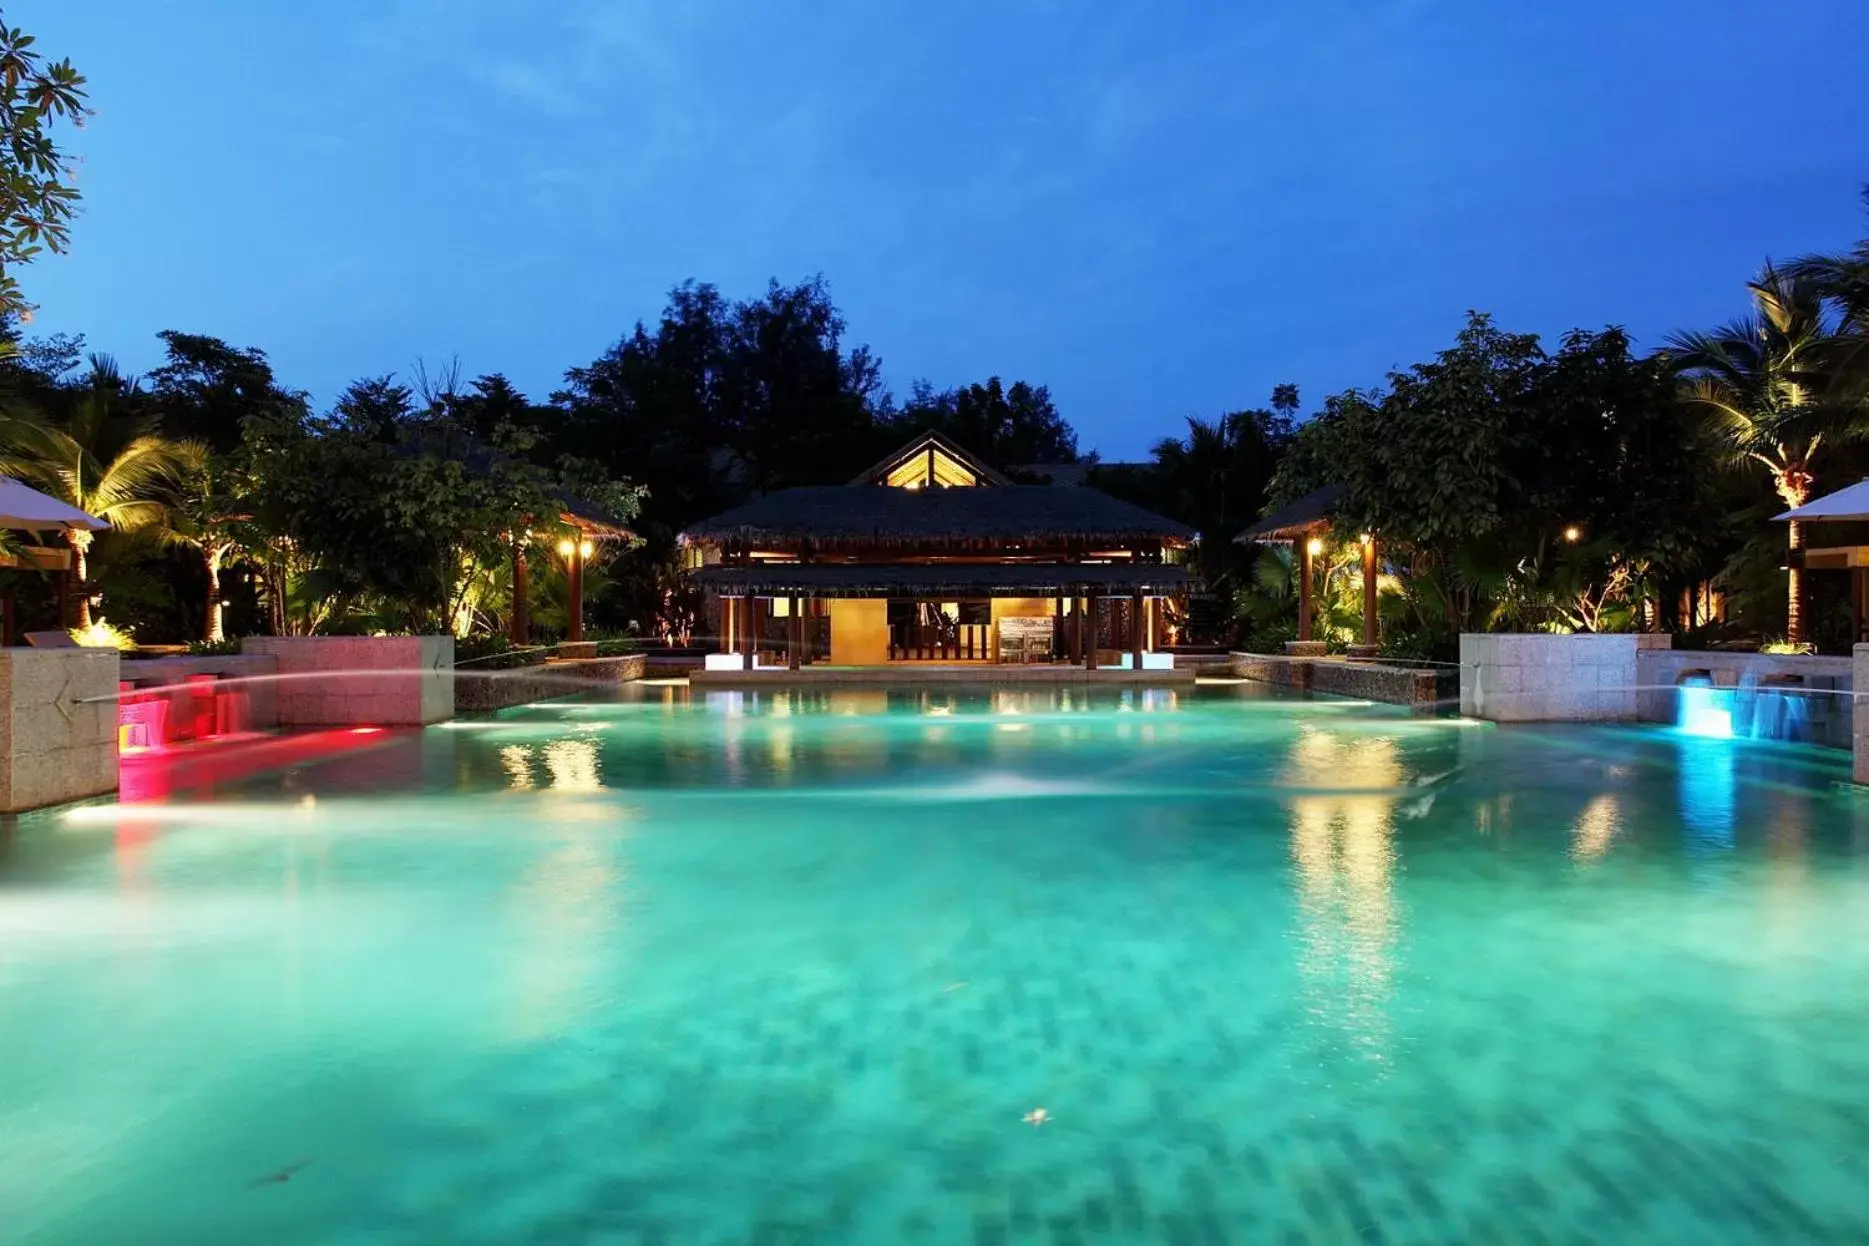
1859 719
58 725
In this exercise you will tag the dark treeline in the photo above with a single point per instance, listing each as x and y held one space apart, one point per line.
395 507
1510 484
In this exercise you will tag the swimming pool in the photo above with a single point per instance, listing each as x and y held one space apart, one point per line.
800 968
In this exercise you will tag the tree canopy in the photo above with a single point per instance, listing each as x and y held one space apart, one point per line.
37 197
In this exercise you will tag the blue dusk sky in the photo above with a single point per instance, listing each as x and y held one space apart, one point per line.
1159 209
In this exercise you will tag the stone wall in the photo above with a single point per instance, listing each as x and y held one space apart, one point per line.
1541 677
58 725
498 690
1425 690
347 681
249 669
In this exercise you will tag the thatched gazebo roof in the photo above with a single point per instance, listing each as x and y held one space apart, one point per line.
875 515
1309 514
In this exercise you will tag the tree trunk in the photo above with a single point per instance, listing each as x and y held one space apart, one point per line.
211 622
1794 587
84 589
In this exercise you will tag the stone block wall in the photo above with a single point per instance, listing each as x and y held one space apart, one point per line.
350 681
1540 677
1423 690
58 725
498 690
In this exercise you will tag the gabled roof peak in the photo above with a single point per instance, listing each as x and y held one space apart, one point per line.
934 446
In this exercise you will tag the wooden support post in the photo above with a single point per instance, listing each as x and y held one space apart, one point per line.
519 626
575 632
752 631
1136 640
794 633
1304 588
1369 591
1856 607
1090 632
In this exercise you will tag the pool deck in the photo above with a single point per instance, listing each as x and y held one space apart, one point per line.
918 673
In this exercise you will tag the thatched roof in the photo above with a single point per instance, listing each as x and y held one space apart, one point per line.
1310 513
829 516
946 580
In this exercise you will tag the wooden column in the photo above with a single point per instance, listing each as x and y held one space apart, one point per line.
725 638
1856 608
1369 591
519 626
1304 588
751 620
794 633
1090 632
575 632
1136 639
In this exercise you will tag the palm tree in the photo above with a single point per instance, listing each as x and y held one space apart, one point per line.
1843 279
1762 380
205 516
100 461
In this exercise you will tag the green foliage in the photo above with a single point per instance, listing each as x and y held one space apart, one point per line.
226 647
1008 427
492 651
37 199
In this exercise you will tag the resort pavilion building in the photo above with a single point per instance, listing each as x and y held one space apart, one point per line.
933 556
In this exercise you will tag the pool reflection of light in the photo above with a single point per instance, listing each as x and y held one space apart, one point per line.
1707 785
1596 826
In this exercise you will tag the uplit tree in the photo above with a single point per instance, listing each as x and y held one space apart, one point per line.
1761 381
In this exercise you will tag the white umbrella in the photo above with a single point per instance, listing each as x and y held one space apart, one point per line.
1843 505
33 511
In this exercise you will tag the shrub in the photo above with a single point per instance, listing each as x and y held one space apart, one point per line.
492 652
101 635
214 648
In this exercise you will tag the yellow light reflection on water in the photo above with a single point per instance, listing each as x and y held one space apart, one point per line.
1342 845
1596 827
573 765
516 760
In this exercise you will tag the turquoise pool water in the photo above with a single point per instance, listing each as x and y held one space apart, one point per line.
798 969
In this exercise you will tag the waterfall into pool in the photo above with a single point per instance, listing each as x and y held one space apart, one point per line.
1751 710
